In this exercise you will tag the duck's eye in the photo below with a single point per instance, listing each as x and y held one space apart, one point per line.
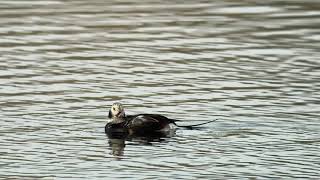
114 108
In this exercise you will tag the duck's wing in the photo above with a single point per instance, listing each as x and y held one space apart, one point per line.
159 118
146 122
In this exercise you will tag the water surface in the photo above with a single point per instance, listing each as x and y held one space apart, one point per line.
252 65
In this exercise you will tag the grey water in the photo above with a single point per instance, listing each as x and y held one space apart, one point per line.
253 65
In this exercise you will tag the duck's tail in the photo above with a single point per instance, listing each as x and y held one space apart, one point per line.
193 125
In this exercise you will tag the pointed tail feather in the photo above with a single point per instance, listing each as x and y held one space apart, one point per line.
193 125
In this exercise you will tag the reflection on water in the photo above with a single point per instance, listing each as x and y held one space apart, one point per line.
117 146
254 65
117 140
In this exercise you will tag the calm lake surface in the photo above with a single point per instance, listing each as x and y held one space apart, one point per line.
253 65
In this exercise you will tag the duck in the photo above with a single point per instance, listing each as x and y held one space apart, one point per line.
140 123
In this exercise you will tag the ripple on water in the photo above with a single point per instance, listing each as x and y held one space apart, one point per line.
251 65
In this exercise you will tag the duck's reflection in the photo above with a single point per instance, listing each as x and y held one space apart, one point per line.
117 140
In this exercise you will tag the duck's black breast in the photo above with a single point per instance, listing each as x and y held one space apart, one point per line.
116 127
147 122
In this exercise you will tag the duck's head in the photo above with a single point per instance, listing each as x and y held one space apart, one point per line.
116 111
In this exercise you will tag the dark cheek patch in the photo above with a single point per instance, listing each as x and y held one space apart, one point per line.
110 114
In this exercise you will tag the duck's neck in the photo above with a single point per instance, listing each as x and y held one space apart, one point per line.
117 119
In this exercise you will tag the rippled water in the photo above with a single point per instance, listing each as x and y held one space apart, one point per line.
253 65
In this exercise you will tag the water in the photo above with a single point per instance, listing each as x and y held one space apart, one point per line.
252 65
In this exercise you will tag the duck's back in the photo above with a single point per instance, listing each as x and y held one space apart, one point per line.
147 122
